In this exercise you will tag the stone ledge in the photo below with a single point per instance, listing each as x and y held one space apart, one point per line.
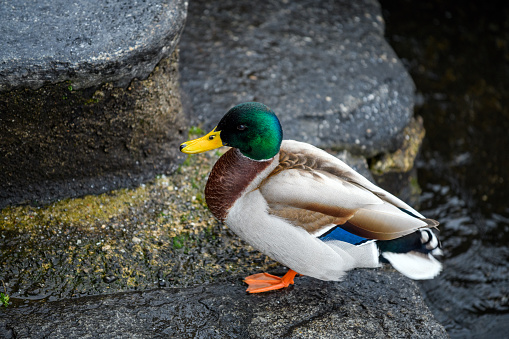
86 42
367 304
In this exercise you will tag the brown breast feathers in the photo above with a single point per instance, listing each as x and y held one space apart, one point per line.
229 177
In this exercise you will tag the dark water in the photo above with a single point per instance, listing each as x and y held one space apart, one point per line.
458 55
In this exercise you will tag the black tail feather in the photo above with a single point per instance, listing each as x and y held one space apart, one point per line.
413 254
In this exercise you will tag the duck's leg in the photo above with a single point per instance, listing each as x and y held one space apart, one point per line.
263 282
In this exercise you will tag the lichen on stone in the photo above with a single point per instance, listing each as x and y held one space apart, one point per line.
402 160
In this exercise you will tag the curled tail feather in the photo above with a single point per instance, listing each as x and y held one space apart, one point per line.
414 254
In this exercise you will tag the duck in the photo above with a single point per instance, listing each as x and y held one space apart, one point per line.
305 208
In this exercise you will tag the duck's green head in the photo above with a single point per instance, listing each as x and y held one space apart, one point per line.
251 127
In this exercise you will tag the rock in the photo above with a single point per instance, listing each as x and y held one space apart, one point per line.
84 109
322 66
368 304
395 171
403 159
87 43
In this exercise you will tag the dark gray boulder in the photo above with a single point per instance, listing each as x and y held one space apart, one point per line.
368 304
87 43
83 107
323 66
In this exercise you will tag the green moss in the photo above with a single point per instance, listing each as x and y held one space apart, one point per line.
195 131
4 297
200 198
183 218
181 240
415 188
187 162
91 101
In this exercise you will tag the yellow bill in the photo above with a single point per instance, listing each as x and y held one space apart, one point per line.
206 143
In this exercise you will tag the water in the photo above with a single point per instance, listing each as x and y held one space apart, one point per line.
458 55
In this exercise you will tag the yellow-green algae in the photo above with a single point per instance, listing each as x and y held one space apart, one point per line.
80 211
395 171
403 159
159 234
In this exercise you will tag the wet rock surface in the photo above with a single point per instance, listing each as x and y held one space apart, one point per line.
323 66
368 304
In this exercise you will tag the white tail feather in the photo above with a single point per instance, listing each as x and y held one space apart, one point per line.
415 265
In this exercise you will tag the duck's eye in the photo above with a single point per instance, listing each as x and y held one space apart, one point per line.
212 137
241 127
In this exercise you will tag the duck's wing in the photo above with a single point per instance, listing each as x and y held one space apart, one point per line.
316 191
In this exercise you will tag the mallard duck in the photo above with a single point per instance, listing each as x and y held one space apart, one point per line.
305 208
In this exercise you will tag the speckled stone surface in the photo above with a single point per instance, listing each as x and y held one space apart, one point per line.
324 67
86 42
368 304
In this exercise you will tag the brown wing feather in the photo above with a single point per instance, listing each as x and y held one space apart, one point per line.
379 221
311 221
311 218
291 160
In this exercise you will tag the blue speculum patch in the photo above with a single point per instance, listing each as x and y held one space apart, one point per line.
338 233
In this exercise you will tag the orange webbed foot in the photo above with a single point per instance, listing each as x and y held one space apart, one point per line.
263 282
